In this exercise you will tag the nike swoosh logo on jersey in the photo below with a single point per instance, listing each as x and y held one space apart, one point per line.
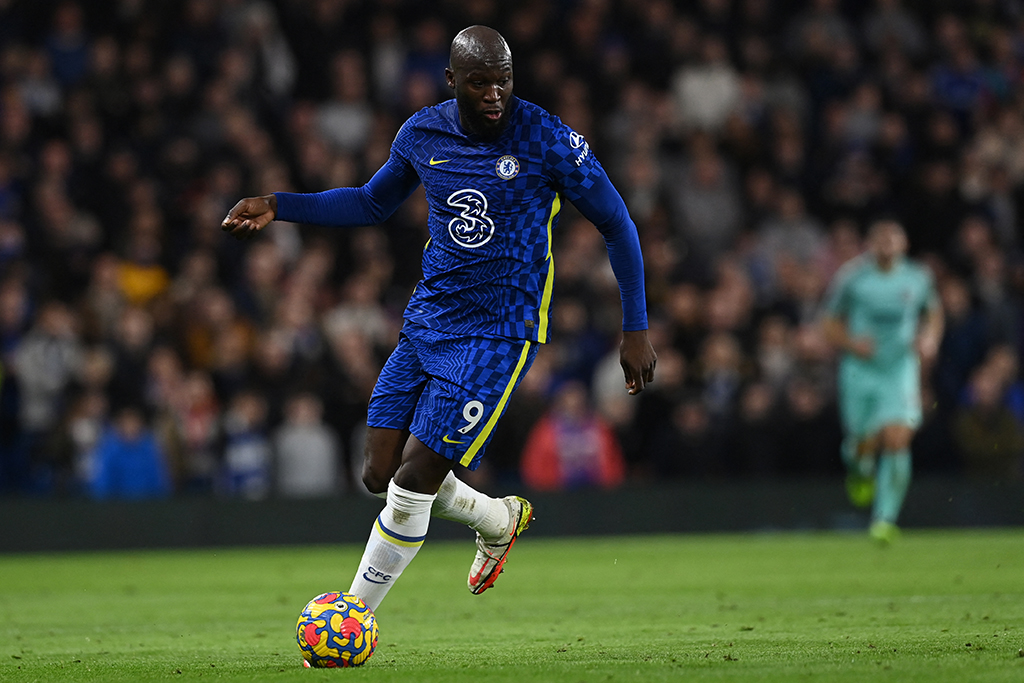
447 440
435 162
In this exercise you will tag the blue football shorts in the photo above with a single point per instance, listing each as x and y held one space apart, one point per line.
449 392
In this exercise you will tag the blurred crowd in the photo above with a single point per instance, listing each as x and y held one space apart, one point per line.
144 353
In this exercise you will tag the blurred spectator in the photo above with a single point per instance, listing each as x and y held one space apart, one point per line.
306 451
959 83
707 93
891 26
258 291
44 366
68 44
1003 363
791 238
259 27
345 119
86 421
775 357
247 451
705 203
132 345
987 434
688 445
813 434
571 446
933 209
198 417
128 461
815 30
653 410
578 345
721 369
754 448
964 341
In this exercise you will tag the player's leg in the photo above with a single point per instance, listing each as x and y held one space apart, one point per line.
898 416
401 527
859 453
395 396
475 378
393 540
441 420
856 405
382 457
456 500
892 480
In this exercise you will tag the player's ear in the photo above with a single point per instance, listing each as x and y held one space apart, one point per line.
449 76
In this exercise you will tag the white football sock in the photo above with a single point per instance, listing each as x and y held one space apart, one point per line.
395 539
460 502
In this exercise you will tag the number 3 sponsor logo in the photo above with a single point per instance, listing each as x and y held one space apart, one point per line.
472 228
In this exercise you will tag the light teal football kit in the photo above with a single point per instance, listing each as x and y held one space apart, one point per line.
884 389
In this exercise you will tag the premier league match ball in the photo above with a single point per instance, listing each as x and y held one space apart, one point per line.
336 630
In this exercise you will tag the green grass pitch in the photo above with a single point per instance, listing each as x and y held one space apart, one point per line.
937 606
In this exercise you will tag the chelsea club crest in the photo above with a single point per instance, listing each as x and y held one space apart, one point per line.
507 167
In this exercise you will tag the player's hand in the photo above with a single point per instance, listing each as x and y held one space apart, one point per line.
637 357
249 216
862 347
927 349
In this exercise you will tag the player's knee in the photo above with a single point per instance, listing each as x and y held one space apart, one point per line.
374 480
896 438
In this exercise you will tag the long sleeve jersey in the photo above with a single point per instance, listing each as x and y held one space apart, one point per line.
488 268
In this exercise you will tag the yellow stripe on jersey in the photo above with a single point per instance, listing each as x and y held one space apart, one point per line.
478 442
549 282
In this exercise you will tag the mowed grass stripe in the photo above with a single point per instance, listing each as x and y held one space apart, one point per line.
937 606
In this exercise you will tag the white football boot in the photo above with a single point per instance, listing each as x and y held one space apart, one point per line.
491 555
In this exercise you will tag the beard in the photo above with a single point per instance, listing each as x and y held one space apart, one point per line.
480 125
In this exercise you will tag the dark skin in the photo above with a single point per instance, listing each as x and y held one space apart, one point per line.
480 74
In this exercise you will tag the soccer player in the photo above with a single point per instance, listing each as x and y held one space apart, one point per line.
496 170
883 313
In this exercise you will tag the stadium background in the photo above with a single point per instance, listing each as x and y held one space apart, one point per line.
753 140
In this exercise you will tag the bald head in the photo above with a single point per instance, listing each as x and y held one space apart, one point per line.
479 46
480 73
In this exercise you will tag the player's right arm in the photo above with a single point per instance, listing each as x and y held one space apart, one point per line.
839 337
833 322
370 204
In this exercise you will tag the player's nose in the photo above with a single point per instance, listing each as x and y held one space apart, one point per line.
492 93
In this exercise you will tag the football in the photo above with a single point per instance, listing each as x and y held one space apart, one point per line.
336 630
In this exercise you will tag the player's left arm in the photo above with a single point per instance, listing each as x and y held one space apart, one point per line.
600 203
930 329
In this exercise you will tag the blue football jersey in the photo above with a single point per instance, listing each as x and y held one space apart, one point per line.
487 268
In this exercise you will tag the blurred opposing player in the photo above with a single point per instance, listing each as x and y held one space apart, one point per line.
883 313
496 170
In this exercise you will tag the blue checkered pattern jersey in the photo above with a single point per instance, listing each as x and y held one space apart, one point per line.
488 269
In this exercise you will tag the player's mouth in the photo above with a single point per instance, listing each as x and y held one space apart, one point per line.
492 114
